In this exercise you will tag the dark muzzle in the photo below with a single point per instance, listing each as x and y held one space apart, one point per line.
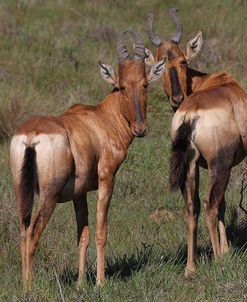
177 99
139 130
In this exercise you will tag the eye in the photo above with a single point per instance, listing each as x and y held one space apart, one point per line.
183 63
122 88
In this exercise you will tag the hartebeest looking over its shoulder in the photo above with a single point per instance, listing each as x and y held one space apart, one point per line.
64 157
209 129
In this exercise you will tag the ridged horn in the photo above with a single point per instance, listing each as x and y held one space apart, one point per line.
139 52
152 36
176 37
122 51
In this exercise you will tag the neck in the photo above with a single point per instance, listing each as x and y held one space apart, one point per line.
194 78
110 109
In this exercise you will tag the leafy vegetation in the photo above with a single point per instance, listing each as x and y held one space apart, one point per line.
48 61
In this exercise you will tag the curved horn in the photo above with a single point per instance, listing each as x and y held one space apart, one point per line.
139 47
122 51
152 36
176 37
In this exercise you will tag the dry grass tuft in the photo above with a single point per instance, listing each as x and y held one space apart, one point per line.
162 214
11 117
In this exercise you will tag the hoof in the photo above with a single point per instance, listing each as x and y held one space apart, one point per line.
100 283
82 283
189 272
224 250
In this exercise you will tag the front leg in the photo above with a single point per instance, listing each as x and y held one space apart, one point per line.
106 184
81 213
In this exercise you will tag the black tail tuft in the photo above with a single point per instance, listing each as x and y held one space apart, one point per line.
179 161
28 183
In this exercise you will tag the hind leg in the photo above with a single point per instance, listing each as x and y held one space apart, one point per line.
222 230
17 154
192 211
34 231
24 217
24 223
214 205
81 212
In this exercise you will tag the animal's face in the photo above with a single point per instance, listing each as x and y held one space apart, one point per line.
175 75
175 78
132 82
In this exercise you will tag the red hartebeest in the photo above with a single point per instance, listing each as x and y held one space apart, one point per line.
209 129
64 157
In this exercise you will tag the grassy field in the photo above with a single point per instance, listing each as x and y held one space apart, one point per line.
48 61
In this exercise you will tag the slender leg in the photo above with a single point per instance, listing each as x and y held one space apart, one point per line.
22 244
104 196
24 223
222 230
38 223
192 211
212 204
81 212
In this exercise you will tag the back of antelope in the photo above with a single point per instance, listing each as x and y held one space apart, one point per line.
209 129
64 157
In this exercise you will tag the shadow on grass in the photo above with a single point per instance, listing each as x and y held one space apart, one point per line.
68 277
119 267
124 266
181 256
236 231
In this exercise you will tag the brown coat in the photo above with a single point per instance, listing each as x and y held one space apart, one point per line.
64 157
209 129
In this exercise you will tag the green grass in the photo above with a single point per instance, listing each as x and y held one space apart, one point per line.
48 61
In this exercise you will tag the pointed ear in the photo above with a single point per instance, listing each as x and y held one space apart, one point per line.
108 74
149 59
156 71
194 46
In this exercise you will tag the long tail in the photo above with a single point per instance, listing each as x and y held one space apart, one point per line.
28 183
179 156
